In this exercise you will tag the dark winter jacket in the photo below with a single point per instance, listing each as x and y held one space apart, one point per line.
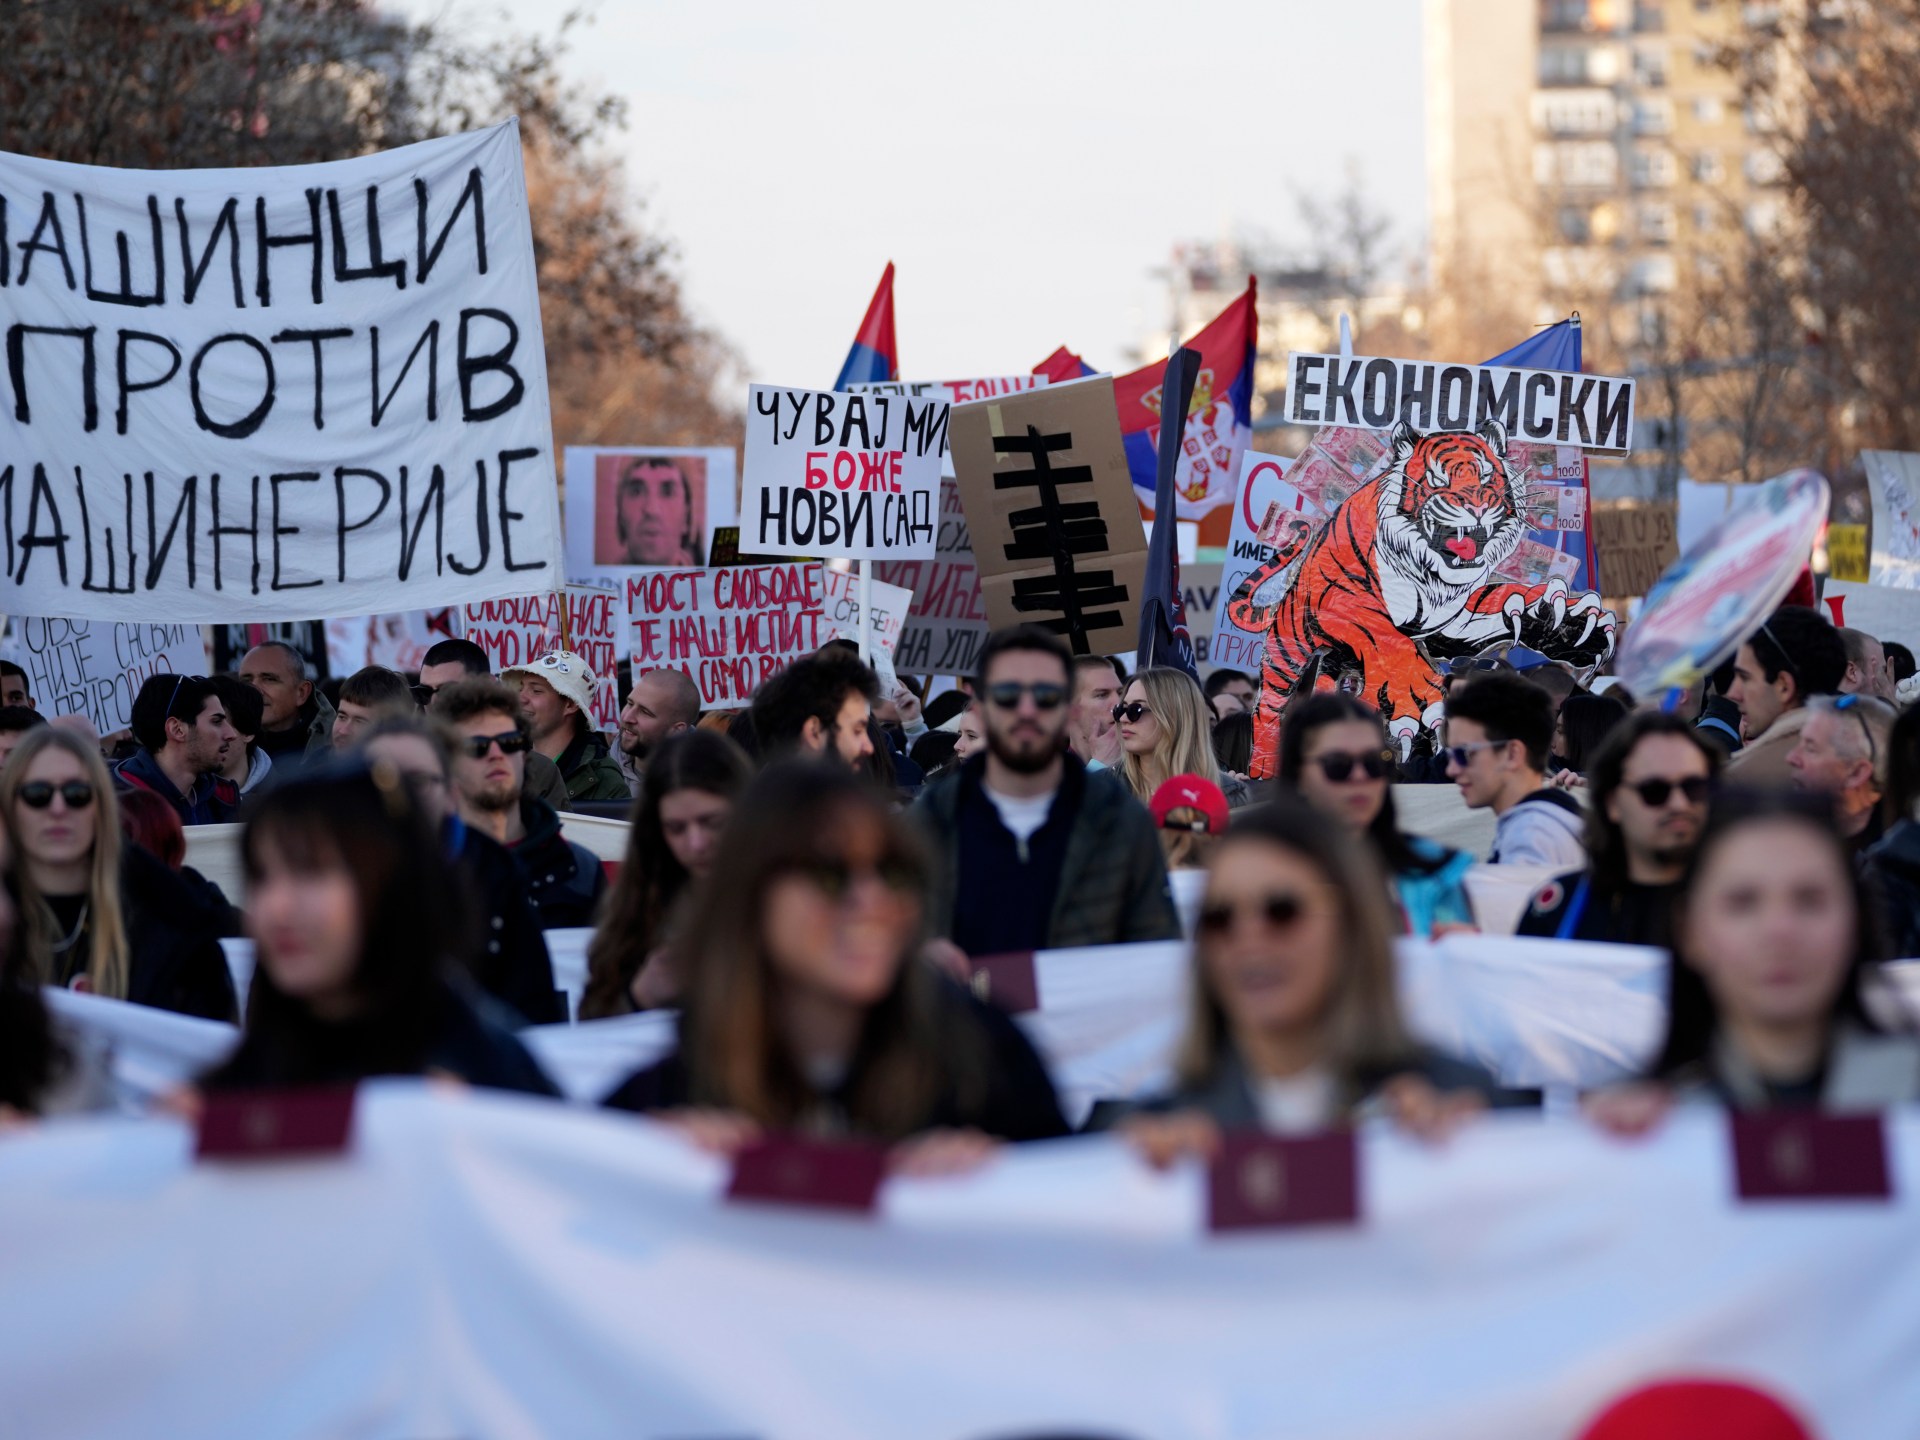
513 965
1576 907
564 880
310 742
213 800
1894 866
1111 885
590 772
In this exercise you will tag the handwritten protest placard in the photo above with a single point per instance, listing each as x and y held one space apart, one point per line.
1634 543
948 622
728 630
95 668
843 475
1272 523
840 602
286 392
520 630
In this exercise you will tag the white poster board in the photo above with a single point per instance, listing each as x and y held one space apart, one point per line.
727 629
1893 484
520 630
96 668
1267 509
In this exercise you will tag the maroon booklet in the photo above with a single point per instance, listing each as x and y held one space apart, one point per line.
1804 1155
275 1124
1005 980
1266 1182
788 1170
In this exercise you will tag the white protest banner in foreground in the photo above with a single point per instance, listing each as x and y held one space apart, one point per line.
851 476
840 608
727 629
489 1264
274 393
519 631
96 668
1368 392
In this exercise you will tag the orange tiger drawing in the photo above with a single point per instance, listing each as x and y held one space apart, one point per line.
1402 576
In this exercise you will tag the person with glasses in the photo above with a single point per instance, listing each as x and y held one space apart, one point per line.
1031 850
1498 731
1166 729
98 914
1649 786
491 742
1841 752
1335 752
1293 1022
807 1006
449 660
1794 656
510 959
184 736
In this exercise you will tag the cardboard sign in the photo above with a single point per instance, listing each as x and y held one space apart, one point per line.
275 1124
280 392
829 1175
644 506
1549 407
1804 1155
1893 485
1633 545
843 475
519 631
1057 537
728 630
95 668
1265 1182
840 609
1847 553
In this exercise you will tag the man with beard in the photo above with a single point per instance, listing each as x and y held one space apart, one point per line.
563 879
661 703
184 736
1650 781
1031 852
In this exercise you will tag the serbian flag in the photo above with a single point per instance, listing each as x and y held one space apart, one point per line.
874 356
1558 348
1063 365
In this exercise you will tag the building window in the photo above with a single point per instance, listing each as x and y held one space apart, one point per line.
1708 168
1654 168
1657 223
1706 218
1653 115
1707 109
1582 164
1764 167
1574 112
1650 66
1563 64
1653 275
1649 18
1576 224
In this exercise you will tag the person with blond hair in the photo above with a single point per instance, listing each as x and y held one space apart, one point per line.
1166 729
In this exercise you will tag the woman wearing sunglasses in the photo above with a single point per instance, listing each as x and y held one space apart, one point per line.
361 930
97 914
1294 1025
1774 940
1334 751
1166 729
806 1009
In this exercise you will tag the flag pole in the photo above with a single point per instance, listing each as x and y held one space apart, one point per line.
866 612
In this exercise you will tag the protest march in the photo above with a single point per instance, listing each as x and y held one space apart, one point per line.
804 923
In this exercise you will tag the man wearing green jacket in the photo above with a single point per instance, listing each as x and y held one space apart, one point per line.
556 694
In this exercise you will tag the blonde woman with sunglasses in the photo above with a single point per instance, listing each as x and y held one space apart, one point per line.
1166 729
96 913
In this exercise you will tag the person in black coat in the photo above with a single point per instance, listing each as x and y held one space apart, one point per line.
361 928
98 914
807 1007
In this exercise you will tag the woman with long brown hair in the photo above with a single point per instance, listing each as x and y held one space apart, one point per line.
807 1006
692 780
97 914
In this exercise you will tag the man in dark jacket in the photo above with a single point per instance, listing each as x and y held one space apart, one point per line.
182 729
563 879
1031 852
1649 783
452 660
513 965
296 722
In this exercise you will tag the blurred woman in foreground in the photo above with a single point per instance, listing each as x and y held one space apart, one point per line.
806 1007
1294 1025
361 934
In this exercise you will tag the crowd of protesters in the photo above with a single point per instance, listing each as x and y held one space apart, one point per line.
807 880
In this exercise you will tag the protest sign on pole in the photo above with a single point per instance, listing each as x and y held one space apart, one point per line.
644 505
887 608
96 667
1270 517
1634 543
1546 407
284 392
1049 499
520 630
728 630
853 476
1893 485
948 622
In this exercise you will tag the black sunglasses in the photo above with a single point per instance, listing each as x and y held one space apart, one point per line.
1131 713
38 794
1338 765
1655 793
1046 695
1280 910
511 742
422 695
835 878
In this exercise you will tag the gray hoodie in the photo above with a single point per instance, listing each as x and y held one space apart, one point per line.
1547 828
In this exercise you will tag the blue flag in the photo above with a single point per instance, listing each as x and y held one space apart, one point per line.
1164 638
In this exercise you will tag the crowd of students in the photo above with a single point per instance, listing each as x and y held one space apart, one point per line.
807 880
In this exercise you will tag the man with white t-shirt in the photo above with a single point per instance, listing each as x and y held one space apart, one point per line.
1031 851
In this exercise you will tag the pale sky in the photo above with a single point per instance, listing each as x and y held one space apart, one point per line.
1027 164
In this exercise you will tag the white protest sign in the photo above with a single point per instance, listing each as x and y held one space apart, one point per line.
95 667
854 476
1270 518
1893 485
400 641
840 609
520 630
954 392
1369 392
727 629
274 393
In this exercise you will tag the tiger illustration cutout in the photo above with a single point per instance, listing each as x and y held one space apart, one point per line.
1402 578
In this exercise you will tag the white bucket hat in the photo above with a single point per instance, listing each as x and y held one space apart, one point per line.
566 672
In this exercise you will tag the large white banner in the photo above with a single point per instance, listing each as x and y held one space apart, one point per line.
497 1266
273 394
1893 486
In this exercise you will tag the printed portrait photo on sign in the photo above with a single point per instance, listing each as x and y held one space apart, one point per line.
649 508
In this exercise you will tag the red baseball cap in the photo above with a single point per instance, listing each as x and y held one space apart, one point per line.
1190 792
